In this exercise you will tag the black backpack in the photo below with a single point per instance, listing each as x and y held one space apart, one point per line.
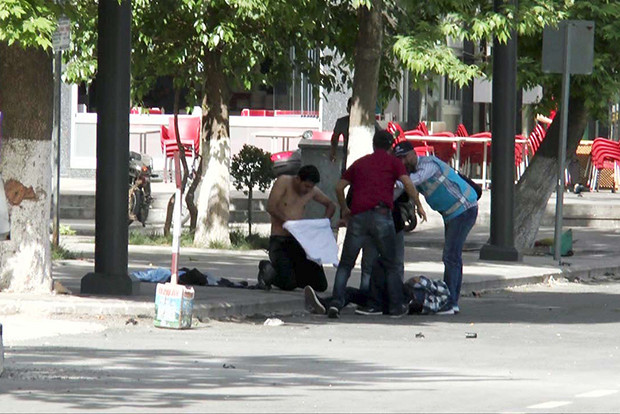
477 188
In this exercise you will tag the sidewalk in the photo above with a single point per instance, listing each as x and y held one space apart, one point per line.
597 252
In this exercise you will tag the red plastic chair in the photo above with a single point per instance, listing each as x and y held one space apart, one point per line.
397 131
189 130
605 156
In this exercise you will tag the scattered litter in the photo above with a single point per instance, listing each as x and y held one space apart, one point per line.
60 289
227 366
131 321
471 335
273 322
419 335
330 340
476 294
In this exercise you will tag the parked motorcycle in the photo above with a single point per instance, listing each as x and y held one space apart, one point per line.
140 198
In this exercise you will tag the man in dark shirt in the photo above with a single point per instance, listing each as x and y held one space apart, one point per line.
370 218
342 128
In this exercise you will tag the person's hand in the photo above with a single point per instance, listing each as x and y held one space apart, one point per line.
345 215
421 213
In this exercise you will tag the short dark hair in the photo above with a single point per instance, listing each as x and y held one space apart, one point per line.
383 139
309 173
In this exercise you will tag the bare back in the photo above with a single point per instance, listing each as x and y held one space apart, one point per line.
286 203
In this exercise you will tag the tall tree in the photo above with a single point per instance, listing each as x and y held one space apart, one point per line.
209 47
26 91
590 97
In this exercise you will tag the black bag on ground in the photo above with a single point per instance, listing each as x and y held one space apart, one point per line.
477 188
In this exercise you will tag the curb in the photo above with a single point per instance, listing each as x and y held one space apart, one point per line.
269 304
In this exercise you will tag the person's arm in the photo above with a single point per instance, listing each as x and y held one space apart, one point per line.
424 171
276 194
413 195
334 146
321 198
344 209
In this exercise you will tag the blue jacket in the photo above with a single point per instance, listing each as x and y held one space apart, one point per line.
443 189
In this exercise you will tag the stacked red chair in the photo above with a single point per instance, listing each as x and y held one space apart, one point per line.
189 131
605 156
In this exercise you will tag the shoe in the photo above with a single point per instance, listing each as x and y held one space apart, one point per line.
446 311
264 277
404 310
456 309
333 313
368 311
313 304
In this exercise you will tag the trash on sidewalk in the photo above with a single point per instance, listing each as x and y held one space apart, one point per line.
60 289
471 335
419 335
228 366
131 321
273 322
174 303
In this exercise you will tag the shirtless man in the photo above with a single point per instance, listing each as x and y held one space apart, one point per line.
287 267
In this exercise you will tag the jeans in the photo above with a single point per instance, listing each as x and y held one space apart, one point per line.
370 255
376 225
455 233
293 269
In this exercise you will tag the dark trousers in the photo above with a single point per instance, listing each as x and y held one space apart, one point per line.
377 226
293 269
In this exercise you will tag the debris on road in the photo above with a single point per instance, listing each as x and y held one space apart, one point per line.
131 321
419 335
273 322
227 366
471 335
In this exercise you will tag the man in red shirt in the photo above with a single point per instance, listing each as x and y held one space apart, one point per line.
370 218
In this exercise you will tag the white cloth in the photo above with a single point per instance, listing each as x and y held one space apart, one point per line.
316 238
5 227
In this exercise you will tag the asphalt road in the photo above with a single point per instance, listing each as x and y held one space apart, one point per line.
543 348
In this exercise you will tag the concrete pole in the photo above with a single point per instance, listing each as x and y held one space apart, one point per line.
501 244
111 236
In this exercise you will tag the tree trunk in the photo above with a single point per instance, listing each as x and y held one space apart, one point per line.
540 178
368 50
26 93
213 200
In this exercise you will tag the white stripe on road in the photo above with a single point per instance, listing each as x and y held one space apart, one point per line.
596 394
549 404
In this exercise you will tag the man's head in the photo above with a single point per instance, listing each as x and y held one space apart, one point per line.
305 180
382 139
404 150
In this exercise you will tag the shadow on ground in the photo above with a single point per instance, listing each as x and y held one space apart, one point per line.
97 379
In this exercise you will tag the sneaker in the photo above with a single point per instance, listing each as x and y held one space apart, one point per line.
447 311
404 310
333 313
456 309
313 304
368 311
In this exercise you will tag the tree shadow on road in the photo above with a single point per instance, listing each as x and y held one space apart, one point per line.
84 378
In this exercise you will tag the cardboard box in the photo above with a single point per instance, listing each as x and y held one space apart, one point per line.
173 306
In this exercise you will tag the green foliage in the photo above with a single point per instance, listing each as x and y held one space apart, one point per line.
252 168
61 253
596 90
28 22
65 230
157 239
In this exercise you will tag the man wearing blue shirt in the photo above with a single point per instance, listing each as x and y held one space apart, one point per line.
455 199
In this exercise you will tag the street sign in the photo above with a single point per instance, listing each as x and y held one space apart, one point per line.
61 38
580 47
566 50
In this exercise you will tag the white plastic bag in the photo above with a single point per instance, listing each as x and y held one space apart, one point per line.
5 226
